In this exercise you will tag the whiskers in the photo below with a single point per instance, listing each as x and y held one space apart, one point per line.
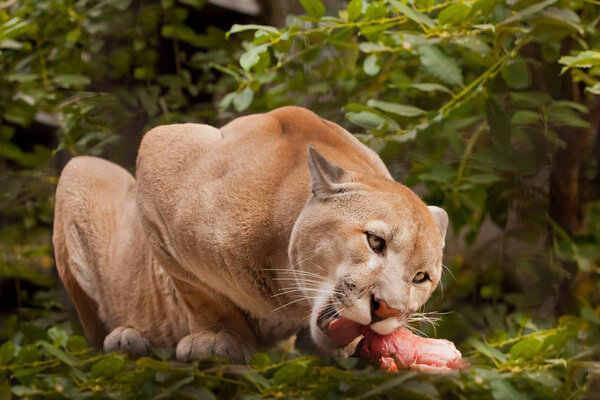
448 270
300 286
445 269
329 314
432 318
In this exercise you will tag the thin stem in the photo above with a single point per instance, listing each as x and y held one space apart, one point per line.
43 70
454 103
466 155
530 335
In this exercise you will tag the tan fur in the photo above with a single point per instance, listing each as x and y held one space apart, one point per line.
192 252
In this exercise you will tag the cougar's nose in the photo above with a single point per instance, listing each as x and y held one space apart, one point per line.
380 310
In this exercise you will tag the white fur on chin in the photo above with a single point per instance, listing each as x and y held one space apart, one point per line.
386 327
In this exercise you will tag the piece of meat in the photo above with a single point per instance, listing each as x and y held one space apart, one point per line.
402 349
411 351
343 331
388 363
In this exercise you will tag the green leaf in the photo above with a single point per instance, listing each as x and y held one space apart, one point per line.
28 354
528 11
256 378
545 378
371 66
376 10
594 89
260 361
415 15
59 354
365 119
424 3
522 117
152 364
167 394
73 35
241 28
243 99
474 43
565 17
7 352
530 99
226 101
22 391
76 343
525 349
314 8
58 335
369 47
504 390
516 74
196 393
21 77
163 353
441 173
498 121
589 315
440 65
488 351
430 87
71 80
584 59
354 10
563 115
374 28
186 34
483 179
289 374
387 385
107 367
399 109
19 112
454 14
347 362
252 56
573 105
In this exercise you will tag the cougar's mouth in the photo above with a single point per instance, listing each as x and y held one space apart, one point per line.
326 316
341 330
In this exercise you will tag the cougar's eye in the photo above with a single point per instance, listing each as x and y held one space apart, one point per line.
421 277
376 243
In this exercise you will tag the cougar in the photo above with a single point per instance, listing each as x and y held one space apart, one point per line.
227 239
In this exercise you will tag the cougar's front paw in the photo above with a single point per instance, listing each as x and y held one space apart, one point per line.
127 340
226 344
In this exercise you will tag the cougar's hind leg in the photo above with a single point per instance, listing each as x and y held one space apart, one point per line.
81 235
86 307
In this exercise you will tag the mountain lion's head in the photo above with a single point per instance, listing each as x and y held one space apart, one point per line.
364 248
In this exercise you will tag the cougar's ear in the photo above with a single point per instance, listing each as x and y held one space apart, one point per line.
326 177
441 218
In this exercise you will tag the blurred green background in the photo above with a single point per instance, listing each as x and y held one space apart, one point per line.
487 108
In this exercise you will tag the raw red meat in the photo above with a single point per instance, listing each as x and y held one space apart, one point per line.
343 331
402 349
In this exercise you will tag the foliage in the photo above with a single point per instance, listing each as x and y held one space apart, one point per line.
77 78
425 80
477 104
51 363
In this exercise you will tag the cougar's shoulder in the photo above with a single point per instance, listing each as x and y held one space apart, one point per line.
168 151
